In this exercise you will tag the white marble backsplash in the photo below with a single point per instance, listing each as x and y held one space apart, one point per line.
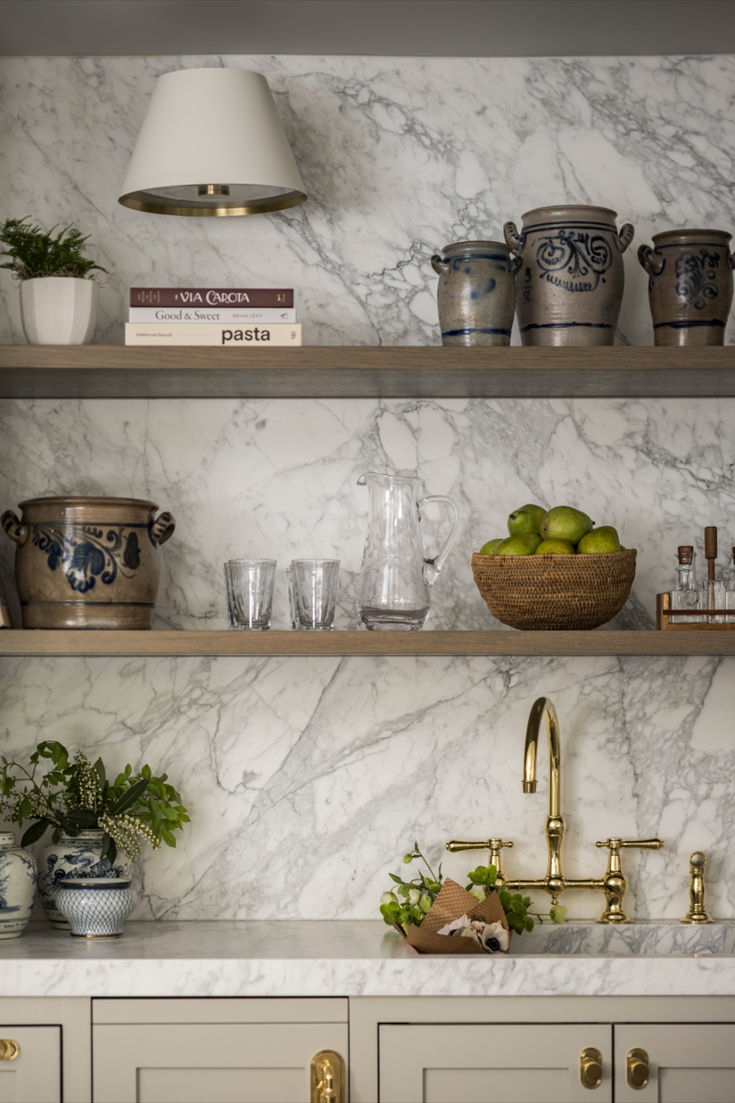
308 779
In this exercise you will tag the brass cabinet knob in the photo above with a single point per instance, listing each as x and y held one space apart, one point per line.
9 1049
636 1068
327 1077
590 1067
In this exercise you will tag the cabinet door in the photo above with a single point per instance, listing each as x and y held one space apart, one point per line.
34 1075
688 1063
216 1063
490 1063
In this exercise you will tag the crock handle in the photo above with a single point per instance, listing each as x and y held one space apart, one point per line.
13 528
513 238
652 261
440 266
625 236
162 528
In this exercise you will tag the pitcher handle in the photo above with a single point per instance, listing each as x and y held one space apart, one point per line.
13 528
433 566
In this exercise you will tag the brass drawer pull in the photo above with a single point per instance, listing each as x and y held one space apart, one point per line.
327 1077
636 1068
9 1049
590 1067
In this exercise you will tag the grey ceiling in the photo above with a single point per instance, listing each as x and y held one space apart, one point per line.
475 28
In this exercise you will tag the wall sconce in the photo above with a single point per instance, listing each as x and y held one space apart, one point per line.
212 144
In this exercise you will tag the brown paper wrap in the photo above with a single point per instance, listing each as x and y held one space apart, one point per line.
453 901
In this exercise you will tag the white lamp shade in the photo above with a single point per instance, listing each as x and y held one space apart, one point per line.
212 144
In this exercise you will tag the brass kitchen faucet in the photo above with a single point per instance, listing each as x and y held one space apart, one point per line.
613 884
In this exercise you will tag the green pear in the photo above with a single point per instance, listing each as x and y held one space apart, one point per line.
525 519
565 523
490 546
524 543
554 547
600 541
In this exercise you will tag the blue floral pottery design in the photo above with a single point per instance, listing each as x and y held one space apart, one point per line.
87 562
18 880
72 856
569 283
690 286
95 907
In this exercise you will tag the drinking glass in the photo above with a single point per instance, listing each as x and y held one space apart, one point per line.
312 592
249 593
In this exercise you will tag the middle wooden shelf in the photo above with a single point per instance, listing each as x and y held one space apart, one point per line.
222 642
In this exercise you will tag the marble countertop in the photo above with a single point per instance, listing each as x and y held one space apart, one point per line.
365 958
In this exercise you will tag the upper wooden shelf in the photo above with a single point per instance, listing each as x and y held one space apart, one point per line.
40 642
113 371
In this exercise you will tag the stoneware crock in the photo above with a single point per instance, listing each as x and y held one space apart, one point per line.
87 562
569 285
689 286
476 292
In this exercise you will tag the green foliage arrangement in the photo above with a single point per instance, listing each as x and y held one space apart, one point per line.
35 252
408 903
76 795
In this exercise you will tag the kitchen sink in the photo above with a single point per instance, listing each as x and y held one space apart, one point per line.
647 939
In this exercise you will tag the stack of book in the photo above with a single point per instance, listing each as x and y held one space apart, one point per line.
231 317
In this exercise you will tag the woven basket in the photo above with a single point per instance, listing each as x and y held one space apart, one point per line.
554 591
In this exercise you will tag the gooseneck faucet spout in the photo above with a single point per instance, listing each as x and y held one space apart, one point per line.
543 709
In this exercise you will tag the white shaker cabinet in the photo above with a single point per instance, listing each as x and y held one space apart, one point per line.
213 1050
30 1064
543 1063
493 1063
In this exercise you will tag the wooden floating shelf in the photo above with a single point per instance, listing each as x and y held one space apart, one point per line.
212 642
115 371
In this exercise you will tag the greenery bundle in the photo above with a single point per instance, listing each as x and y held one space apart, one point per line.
76 795
409 901
35 252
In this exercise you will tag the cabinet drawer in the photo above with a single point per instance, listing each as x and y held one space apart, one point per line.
219 1063
34 1076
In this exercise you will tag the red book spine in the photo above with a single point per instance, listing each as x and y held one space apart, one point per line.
211 296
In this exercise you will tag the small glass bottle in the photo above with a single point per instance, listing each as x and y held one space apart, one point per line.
730 591
712 589
685 594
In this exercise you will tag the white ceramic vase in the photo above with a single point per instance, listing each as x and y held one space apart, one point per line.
58 310
72 856
17 886
95 907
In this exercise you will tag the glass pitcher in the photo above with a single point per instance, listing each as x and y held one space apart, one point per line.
395 575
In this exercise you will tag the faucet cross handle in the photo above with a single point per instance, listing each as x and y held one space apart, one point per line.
615 883
493 845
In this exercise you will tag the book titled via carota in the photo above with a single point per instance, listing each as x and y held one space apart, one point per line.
212 333
212 296
225 314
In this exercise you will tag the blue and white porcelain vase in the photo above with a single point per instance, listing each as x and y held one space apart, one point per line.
18 879
95 907
72 856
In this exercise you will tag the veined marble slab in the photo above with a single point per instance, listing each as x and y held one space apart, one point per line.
364 958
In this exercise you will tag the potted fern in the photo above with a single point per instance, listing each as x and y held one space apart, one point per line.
58 295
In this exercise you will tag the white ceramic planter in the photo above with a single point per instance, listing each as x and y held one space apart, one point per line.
95 907
58 310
